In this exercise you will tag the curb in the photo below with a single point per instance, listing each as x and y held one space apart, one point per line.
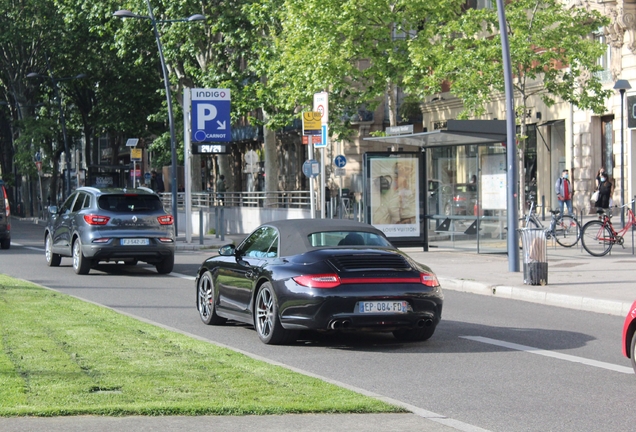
587 304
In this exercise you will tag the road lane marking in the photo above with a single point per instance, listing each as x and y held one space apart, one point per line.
552 354
182 276
34 248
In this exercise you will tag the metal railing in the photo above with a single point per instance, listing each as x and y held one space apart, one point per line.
280 199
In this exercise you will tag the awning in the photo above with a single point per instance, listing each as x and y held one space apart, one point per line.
458 132
551 123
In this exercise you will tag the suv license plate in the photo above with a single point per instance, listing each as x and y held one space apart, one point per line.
135 242
383 306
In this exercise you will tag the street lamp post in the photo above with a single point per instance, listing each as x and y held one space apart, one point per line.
164 70
511 148
56 93
622 85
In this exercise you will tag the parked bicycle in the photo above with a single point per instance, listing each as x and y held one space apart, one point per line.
599 236
565 229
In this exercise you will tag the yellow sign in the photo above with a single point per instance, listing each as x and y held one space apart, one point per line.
312 122
135 154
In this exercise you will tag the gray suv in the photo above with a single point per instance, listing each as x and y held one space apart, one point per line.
110 225
5 222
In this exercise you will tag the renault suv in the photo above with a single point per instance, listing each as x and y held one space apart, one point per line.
5 222
110 225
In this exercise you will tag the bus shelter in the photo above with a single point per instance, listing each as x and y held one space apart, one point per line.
449 193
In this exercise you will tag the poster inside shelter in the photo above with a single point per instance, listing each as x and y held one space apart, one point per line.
394 192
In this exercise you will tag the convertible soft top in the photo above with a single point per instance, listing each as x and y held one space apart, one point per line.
294 233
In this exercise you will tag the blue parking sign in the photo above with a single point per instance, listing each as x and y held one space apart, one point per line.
210 115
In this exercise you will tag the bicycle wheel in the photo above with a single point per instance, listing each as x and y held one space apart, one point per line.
567 231
597 239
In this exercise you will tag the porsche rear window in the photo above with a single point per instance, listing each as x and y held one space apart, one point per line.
129 203
347 238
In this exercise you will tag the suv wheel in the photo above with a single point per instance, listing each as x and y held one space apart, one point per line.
81 264
165 266
52 259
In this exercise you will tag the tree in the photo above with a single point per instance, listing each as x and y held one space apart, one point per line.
552 56
357 50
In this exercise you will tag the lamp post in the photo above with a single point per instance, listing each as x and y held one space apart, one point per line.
173 141
55 81
511 148
622 85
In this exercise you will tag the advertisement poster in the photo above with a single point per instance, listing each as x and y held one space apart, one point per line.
394 192
493 182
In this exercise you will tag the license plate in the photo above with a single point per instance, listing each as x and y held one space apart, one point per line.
135 242
383 306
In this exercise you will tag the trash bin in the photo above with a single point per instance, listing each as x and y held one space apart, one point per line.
535 256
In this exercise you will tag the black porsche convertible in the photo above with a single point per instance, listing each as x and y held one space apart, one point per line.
319 274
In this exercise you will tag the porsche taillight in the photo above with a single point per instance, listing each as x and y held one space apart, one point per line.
429 279
92 219
318 280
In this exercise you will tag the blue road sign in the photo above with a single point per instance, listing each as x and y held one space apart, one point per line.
311 168
210 115
340 161
323 132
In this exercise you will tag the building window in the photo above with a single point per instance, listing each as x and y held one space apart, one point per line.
604 60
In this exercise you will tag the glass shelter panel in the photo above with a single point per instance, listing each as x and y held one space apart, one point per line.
466 195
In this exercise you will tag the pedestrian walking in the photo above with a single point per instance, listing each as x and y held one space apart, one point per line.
563 189
605 190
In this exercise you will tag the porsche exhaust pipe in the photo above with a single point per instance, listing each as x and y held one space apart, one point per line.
340 324
424 323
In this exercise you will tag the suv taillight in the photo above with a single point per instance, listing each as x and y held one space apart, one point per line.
96 219
166 220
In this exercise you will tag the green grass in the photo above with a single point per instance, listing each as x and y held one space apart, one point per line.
63 356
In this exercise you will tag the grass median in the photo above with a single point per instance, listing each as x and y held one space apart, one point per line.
62 356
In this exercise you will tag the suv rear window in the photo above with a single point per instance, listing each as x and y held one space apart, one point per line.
129 203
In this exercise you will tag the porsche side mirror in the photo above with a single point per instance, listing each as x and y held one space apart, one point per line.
227 250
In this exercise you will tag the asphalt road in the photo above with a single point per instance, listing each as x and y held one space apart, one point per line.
497 364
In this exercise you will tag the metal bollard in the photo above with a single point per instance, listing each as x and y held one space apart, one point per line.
200 226
222 225
542 207
216 221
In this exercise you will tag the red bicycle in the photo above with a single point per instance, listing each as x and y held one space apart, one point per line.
598 236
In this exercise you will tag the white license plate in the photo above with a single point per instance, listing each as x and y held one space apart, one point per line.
135 242
383 306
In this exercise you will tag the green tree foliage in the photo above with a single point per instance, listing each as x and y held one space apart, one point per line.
358 50
549 44
552 56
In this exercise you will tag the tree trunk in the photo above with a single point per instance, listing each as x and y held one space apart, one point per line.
271 164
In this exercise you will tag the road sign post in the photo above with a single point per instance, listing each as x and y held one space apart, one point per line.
321 105
206 119
311 126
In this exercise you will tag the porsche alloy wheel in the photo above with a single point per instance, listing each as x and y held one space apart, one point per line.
267 324
206 301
